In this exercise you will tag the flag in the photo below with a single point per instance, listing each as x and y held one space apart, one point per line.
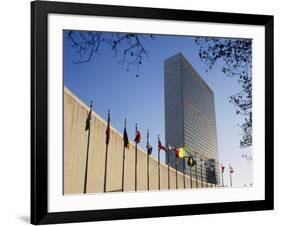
186 150
138 136
170 148
89 117
202 162
222 169
182 152
206 164
108 129
231 169
190 161
149 149
197 160
211 165
125 138
160 145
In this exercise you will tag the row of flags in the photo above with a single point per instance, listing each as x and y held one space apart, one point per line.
184 153
181 152
231 170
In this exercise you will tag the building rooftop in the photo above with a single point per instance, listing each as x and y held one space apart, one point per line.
196 74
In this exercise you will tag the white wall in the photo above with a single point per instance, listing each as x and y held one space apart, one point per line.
15 113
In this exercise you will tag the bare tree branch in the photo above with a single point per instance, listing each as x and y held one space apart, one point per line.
236 58
128 47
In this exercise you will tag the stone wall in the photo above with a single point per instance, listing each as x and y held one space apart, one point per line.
75 148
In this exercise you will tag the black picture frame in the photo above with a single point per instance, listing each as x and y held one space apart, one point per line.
39 112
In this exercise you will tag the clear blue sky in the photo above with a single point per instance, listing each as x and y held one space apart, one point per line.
141 99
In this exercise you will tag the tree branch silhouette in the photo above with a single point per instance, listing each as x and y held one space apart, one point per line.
127 47
236 58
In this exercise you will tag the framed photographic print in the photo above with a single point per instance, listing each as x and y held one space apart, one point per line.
144 112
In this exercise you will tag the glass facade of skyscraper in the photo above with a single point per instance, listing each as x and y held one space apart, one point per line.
190 117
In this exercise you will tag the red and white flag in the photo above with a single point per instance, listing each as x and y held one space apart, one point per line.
222 168
231 170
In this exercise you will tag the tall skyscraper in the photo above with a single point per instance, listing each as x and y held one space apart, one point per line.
190 116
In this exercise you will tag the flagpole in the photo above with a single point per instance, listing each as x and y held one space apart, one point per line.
183 167
190 171
215 173
106 151
123 163
201 173
168 167
147 160
206 171
176 171
230 176
87 160
136 160
222 176
88 145
158 164
196 178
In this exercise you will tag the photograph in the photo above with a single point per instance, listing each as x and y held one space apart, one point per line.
140 112
149 112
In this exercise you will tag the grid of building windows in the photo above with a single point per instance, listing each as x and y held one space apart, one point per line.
190 116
